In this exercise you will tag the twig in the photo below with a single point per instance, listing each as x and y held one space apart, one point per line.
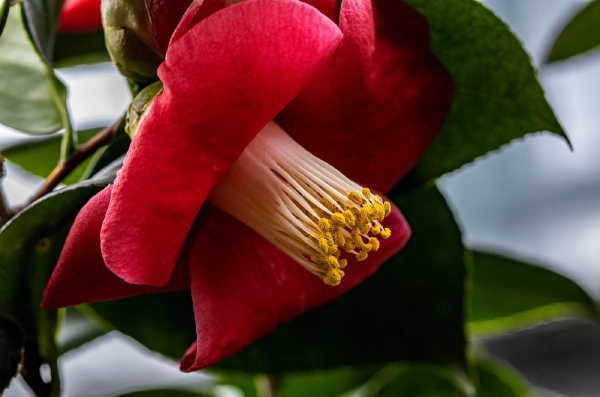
267 386
30 370
63 169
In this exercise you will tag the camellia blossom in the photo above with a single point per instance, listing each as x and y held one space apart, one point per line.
80 16
253 177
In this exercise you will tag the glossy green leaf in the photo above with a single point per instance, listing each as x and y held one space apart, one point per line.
11 343
508 294
163 393
499 380
30 244
4 7
498 96
32 99
40 156
42 19
328 383
580 35
412 309
76 331
73 49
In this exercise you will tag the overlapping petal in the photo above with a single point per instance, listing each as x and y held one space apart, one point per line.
81 276
224 80
378 104
243 286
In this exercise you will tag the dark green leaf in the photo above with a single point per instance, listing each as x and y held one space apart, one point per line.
580 35
243 383
11 343
163 393
29 248
499 380
508 294
498 97
414 380
72 49
412 309
161 322
4 7
324 383
107 155
32 99
40 156
42 19
76 331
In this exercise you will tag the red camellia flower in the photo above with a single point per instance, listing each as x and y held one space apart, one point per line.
80 16
241 181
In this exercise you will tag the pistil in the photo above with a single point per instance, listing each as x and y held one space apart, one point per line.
302 205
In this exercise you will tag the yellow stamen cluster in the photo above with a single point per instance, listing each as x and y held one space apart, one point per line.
348 225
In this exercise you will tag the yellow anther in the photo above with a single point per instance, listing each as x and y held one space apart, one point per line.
367 247
362 255
366 229
329 238
333 262
333 277
338 219
349 246
323 246
379 198
328 204
355 198
385 233
375 243
375 229
333 250
324 225
339 239
387 207
343 263
366 192
349 217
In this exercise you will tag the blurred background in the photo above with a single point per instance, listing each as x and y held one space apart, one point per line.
534 199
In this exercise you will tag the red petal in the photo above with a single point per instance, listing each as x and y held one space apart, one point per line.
165 15
224 80
80 16
378 104
328 8
81 276
243 286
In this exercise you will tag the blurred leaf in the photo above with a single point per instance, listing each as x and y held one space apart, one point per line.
243 383
30 244
11 343
498 97
107 155
40 156
168 327
73 49
42 19
4 7
580 35
325 383
412 309
76 331
413 380
163 393
32 99
500 380
508 294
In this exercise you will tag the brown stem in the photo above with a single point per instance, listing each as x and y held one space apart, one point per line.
63 169
30 370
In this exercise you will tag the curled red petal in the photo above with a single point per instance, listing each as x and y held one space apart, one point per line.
80 16
376 107
80 275
224 80
243 286
328 8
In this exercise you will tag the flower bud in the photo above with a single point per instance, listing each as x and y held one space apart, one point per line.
140 105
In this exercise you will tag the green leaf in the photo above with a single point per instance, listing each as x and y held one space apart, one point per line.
76 331
580 35
32 99
163 393
168 328
325 383
30 244
498 96
241 382
11 343
40 156
73 49
499 380
107 155
4 7
42 19
412 309
508 294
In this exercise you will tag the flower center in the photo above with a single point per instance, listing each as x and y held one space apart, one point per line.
302 205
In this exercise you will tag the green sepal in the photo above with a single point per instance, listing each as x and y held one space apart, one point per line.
140 105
